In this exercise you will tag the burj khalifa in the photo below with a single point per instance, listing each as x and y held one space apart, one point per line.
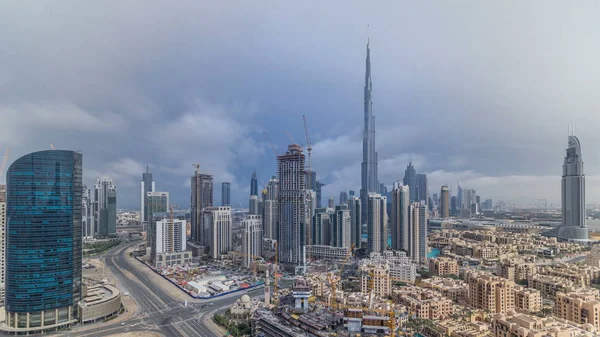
369 182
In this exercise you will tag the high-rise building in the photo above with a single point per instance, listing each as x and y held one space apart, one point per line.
155 202
410 180
435 200
400 217
321 228
311 206
225 194
219 226
487 205
331 202
44 218
291 206
254 184
478 202
382 189
2 241
573 226
169 243
269 214
319 194
454 205
422 188
87 213
377 223
105 213
459 198
252 238
491 293
445 202
202 198
354 205
414 229
253 205
369 181
343 198
311 180
423 221
146 185
468 199
351 193
341 224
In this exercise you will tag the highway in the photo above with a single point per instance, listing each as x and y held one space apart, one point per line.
158 310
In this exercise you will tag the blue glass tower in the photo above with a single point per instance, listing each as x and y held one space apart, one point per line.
43 241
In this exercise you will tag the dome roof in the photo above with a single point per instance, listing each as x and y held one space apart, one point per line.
245 299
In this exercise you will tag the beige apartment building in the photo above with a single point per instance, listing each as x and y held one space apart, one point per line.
550 285
524 325
456 290
443 266
579 307
424 303
516 269
376 277
527 300
488 292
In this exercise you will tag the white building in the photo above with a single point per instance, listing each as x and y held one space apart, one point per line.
341 227
219 221
377 223
170 243
414 242
251 238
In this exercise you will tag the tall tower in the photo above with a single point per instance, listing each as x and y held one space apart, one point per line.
269 211
291 208
445 202
410 180
105 213
202 198
377 223
225 194
252 236
354 204
146 185
369 182
254 184
573 226
400 217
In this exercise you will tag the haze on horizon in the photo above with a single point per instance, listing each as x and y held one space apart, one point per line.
476 92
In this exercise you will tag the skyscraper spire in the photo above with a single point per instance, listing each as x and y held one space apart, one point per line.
369 181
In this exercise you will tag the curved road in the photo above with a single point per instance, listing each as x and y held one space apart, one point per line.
158 310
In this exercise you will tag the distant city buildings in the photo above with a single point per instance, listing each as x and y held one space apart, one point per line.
201 199
377 223
218 222
343 198
146 185
410 180
422 188
341 227
105 207
291 206
42 293
331 202
252 238
225 194
253 205
269 215
254 184
87 213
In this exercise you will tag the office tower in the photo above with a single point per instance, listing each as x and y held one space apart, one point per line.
105 215
341 224
350 194
87 214
146 185
218 223
377 223
254 184
169 243
488 205
410 180
400 217
270 209
319 186
468 198
253 205
311 206
422 188
435 201
414 231
343 198
331 202
444 202
478 202
474 209
573 226
291 206
252 238
311 180
459 198
43 203
369 182
225 194
454 205
2 241
156 202
355 208
321 234
493 294
423 220
202 198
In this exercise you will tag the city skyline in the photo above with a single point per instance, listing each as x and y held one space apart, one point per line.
235 123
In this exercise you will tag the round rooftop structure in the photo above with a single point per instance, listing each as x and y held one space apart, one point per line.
245 299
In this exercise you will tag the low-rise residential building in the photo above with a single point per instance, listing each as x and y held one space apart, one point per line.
516 269
524 325
527 300
443 266
375 276
488 292
458 329
401 266
580 275
550 285
456 290
327 252
580 307
424 303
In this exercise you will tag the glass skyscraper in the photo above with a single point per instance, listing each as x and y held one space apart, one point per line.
43 242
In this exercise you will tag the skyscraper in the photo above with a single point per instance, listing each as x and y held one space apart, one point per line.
454 205
343 198
202 198
445 202
377 223
410 180
254 184
459 198
2 241
341 224
423 242
573 226
400 217
355 208
322 226
319 186
225 194
170 242
253 205
311 180
218 223
331 202
422 188
269 215
155 202
291 206
251 238
105 214
414 231
369 182
146 185
44 219
87 213
350 193
468 198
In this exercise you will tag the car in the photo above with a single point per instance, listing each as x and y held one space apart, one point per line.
211 303
123 323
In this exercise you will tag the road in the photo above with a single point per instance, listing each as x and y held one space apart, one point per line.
158 310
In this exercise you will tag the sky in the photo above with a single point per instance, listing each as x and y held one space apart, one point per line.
477 92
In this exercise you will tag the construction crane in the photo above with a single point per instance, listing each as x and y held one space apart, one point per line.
333 279
275 276
309 185
290 137
4 161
